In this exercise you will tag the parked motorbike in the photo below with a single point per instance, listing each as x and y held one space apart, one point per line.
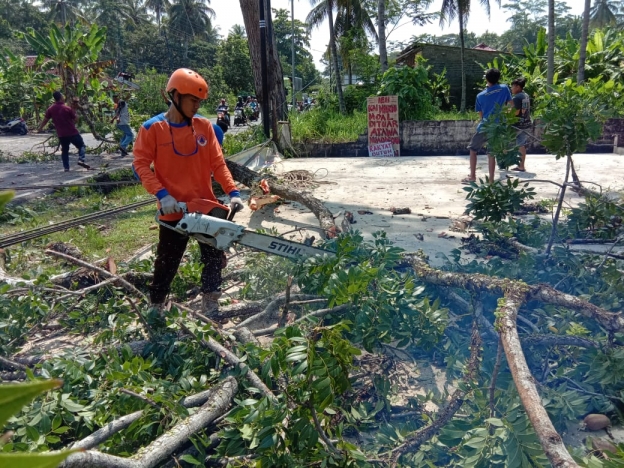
16 125
239 117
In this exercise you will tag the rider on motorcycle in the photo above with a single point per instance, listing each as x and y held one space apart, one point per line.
240 105
255 108
223 107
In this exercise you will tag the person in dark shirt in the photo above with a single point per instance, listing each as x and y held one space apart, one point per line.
522 104
64 119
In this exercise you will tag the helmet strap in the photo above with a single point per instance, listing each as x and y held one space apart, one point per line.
178 107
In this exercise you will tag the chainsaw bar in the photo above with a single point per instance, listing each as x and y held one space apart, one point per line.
279 246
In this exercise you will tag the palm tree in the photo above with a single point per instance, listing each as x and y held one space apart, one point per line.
352 26
580 76
191 15
137 12
325 9
238 30
159 7
604 13
460 9
64 11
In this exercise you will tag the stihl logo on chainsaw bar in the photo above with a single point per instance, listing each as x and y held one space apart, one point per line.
284 248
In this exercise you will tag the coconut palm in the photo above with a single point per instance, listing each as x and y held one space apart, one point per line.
460 9
64 11
604 13
193 16
550 67
159 7
580 76
137 12
325 9
351 15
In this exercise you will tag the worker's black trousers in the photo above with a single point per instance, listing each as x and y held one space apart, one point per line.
171 247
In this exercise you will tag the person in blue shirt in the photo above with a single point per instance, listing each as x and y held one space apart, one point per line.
495 96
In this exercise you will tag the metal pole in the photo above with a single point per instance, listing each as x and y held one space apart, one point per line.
292 15
263 71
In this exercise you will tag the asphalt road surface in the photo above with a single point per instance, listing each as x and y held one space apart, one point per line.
16 145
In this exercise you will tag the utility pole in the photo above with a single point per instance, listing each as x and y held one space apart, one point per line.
263 70
292 16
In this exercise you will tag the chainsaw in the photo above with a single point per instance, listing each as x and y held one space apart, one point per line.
212 223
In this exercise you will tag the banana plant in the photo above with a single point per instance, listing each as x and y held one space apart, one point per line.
73 52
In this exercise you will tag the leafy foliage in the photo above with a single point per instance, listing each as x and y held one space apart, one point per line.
494 201
410 85
501 137
574 115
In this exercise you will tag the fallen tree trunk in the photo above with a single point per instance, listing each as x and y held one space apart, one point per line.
478 283
549 438
251 179
515 293
158 451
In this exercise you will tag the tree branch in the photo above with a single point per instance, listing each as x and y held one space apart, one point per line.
232 359
169 442
525 383
414 441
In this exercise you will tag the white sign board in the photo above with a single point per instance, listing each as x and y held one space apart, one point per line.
381 150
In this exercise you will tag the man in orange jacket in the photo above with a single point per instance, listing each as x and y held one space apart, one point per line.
185 153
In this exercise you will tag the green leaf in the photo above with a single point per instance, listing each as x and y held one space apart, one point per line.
5 197
34 460
190 459
14 396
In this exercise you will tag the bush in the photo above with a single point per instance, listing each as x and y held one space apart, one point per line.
410 85
355 97
494 201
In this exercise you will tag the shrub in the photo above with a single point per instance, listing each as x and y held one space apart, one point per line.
410 85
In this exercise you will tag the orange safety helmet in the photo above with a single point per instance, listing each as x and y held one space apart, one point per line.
186 81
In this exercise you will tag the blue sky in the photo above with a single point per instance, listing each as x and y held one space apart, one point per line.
229 13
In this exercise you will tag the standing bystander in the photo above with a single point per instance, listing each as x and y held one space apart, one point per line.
122 114
492 98
185 153
64 119
522 104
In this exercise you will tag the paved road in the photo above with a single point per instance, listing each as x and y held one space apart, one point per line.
15 145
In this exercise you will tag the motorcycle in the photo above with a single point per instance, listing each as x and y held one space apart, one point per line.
239 117
16 126
254 114
223 117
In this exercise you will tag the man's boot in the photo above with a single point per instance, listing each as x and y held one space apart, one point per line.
210 303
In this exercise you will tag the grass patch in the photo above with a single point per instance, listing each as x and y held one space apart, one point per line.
455 115
117 236
327 126
236 142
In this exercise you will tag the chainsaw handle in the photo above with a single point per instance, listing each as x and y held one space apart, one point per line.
235 209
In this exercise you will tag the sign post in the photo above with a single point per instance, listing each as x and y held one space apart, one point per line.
383 126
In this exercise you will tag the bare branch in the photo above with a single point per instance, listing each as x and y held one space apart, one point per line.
232 359
525 383
101 271
414 441
497 364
